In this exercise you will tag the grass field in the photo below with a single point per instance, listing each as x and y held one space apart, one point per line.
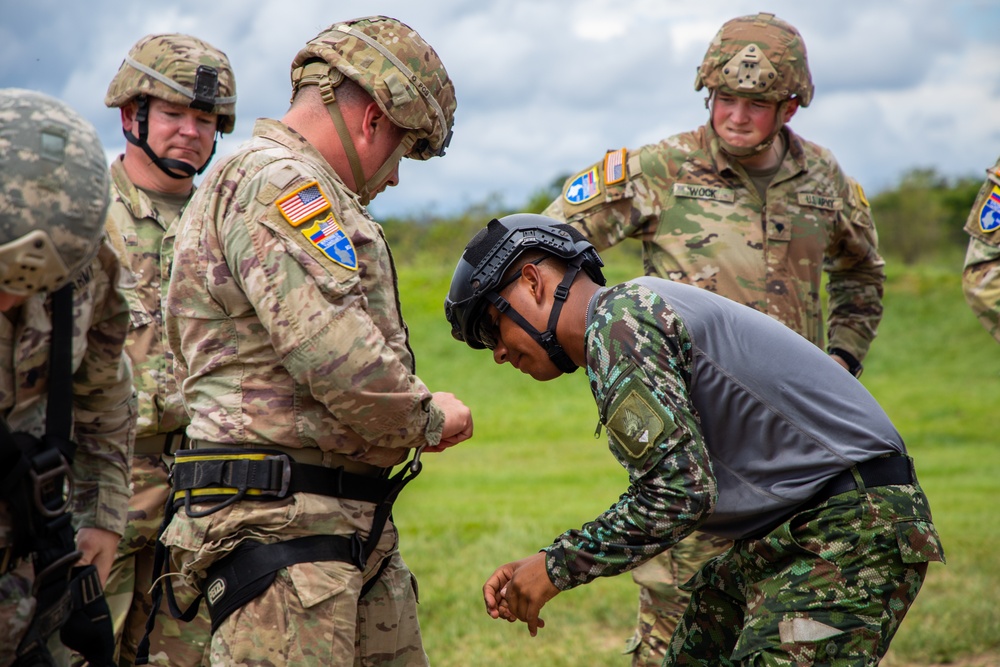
535 469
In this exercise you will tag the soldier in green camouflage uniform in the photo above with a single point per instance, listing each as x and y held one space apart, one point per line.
284 316
981 275
53 198
727 422
746 208
171 137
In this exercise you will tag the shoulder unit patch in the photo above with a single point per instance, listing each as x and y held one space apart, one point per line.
303 204
332 241
583 187
989 214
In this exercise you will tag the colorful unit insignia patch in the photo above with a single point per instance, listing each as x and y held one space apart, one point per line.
989 214
583 188
331 240
614 167
303 204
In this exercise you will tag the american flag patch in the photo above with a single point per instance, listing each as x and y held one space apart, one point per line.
303 204
614 167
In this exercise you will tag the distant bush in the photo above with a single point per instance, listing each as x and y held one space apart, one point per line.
923 216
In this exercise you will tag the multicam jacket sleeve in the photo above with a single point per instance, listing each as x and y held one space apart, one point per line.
981 274
702 222
639 364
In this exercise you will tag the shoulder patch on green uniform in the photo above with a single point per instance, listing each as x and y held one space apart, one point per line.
819 201
583 187
614 167
328 237
303 203
634 425
696 191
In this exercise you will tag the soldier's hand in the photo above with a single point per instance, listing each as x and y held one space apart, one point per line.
99 547
457 421
520 589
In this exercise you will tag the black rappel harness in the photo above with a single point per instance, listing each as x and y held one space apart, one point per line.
38 487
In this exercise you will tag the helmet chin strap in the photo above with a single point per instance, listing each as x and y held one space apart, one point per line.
547 339
363 187
750 151
168 166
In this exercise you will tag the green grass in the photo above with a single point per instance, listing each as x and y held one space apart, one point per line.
534 469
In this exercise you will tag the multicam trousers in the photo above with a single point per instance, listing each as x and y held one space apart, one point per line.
830 586
311 614
661 601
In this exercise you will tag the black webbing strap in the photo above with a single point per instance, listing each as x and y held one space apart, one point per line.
224 476
884 471
252 566
62 593
275 471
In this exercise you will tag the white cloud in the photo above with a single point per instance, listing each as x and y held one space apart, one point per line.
545 86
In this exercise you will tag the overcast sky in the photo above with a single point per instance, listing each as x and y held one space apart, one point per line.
546 86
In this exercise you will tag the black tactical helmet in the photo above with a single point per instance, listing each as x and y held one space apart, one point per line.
476 282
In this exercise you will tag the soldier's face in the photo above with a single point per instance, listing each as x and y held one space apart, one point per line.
741 121
513 344
177 132
382 142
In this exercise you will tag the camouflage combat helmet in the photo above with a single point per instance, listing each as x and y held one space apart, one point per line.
759 56
399 70
53 194
180 69
476 282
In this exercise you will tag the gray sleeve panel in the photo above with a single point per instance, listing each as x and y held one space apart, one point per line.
779 417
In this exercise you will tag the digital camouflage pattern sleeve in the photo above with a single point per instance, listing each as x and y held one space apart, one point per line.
981 274
639 363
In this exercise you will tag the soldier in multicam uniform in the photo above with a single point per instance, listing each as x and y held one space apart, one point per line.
746 208
175 92
58 292
727 422
295 365
981 275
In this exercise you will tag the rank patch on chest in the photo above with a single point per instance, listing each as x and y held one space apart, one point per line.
303 204
989 214
614 167
635 426
331 240
583 188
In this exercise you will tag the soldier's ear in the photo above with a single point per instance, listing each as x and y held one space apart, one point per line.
790 108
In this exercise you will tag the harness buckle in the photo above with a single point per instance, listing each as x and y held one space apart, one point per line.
285 461
48 485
